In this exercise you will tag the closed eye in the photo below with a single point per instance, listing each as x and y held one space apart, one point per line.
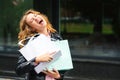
31 20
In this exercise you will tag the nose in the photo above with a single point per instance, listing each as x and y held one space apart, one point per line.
36 19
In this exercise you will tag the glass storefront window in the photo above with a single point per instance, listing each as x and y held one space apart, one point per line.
10 14
90 27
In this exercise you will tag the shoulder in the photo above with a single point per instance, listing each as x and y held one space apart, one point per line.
23 42
56 36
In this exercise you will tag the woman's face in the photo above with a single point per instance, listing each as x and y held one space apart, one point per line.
37 22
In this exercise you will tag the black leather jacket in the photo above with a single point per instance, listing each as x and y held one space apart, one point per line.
26 68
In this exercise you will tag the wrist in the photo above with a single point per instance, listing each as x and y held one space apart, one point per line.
36 60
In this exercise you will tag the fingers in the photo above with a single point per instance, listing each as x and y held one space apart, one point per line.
46 71
52 53
53 73
55 70
50 59
51 56
50 71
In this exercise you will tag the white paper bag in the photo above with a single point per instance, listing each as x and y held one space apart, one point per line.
40 45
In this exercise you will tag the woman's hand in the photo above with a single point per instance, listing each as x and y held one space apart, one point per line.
47 57
52 73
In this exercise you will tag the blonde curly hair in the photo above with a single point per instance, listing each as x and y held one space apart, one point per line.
26 30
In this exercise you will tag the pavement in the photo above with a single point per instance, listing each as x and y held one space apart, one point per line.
10 78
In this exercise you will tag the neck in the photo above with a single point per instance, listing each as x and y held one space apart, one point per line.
45 32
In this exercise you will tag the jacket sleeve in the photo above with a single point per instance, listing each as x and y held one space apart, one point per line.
23 66
62 74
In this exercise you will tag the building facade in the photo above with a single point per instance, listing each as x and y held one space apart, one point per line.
91 27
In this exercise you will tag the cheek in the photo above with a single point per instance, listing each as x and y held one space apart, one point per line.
33 24
45 23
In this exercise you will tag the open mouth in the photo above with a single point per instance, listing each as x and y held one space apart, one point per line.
40 21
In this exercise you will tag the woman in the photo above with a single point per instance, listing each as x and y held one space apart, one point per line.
34 23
